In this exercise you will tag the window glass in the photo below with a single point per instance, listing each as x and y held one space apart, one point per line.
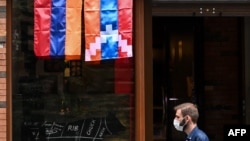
57 99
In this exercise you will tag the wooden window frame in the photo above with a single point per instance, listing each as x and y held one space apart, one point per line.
143 67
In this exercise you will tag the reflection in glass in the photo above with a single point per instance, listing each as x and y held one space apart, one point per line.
55 99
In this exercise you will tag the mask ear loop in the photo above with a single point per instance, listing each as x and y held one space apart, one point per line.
183 122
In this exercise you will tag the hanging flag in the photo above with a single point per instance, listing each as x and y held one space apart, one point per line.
108 29
57 28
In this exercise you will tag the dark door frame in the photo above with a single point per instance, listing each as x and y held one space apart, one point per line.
201 9
205 9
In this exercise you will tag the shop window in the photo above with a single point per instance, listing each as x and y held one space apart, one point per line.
58 99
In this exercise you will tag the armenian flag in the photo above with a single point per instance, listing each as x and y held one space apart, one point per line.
57 28
108 29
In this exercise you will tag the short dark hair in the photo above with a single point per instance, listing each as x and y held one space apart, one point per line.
188 109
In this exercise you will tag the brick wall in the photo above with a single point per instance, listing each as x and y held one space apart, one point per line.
2 70
221 73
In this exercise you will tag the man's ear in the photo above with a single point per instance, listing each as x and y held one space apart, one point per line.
188 118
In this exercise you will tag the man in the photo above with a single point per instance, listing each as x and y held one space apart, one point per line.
186 117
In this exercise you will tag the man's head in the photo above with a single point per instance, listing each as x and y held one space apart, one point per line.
186 114
187 109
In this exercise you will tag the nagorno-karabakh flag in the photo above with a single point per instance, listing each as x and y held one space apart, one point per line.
108 29
57 28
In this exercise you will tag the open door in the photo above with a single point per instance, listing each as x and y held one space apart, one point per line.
175 41
199 60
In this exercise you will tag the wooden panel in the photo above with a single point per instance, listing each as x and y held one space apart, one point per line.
143 68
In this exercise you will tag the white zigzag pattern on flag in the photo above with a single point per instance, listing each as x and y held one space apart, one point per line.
92 49
103 39
109 30
94 46
109 33
125 47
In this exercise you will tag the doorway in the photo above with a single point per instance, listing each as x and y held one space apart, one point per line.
199 60
175 67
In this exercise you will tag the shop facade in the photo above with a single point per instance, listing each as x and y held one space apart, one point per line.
41 94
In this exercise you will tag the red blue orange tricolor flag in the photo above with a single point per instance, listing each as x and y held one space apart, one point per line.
108 29
57 28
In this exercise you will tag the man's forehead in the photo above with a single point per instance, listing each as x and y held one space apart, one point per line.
178 112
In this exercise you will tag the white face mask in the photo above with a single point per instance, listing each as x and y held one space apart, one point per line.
177 125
